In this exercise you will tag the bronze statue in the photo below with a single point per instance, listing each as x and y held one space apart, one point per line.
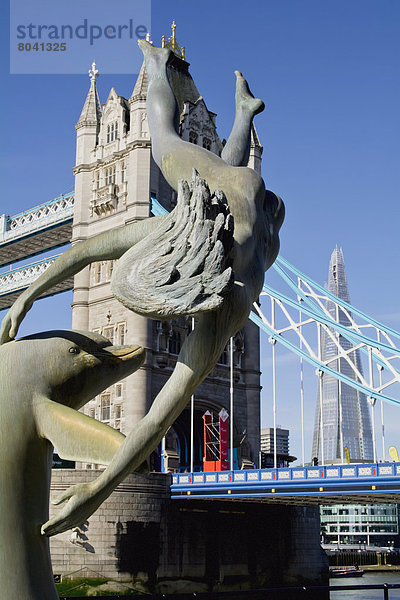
221 301
45 379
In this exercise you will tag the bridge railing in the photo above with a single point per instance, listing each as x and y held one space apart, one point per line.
364 483
298 474
22 277
44 215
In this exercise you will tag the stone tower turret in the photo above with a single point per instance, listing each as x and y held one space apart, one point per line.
87 131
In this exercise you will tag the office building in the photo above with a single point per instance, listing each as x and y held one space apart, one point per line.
345 420
282 447
346 525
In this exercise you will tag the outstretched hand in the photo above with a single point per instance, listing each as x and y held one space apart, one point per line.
13 319
82 503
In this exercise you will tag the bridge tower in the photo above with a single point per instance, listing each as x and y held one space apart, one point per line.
115 180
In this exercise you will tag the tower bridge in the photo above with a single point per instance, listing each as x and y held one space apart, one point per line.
117 182
113 143
49 226
30 233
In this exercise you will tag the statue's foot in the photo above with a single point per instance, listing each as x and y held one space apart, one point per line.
244 98
155 58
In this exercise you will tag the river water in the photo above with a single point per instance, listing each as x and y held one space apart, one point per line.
366 579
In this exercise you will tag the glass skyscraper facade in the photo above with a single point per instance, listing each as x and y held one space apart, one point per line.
345 419
357 525
346 422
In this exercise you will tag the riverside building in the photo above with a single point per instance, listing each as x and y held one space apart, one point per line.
282 447
348 525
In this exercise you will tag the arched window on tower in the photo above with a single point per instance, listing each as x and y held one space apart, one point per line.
223 359
110 175
112 131
110 268
206 143
105 407
108 332
97 272
193 137
174 342
117 416
121 329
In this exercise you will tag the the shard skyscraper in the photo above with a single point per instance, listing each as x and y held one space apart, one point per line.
346 420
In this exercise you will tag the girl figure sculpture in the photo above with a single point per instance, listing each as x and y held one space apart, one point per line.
257 217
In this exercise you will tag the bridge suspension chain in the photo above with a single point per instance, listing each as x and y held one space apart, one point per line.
312 306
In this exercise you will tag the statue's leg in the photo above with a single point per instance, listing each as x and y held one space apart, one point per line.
237 149
175 157
198 355
162 108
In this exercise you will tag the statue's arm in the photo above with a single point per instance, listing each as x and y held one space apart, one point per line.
75 435
105 246
85 498
199 353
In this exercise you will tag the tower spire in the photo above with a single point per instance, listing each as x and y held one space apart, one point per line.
171 42
337 280
91 111
141 86
93 72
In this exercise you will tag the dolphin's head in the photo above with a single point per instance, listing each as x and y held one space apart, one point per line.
71 367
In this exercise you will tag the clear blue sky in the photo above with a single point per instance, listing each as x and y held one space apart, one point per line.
328 73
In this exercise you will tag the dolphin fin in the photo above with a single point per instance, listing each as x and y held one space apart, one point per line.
75 435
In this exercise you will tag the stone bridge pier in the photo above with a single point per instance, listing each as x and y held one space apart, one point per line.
141 536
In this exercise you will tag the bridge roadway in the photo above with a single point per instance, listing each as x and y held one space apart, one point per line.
331 484
15 281
36 230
